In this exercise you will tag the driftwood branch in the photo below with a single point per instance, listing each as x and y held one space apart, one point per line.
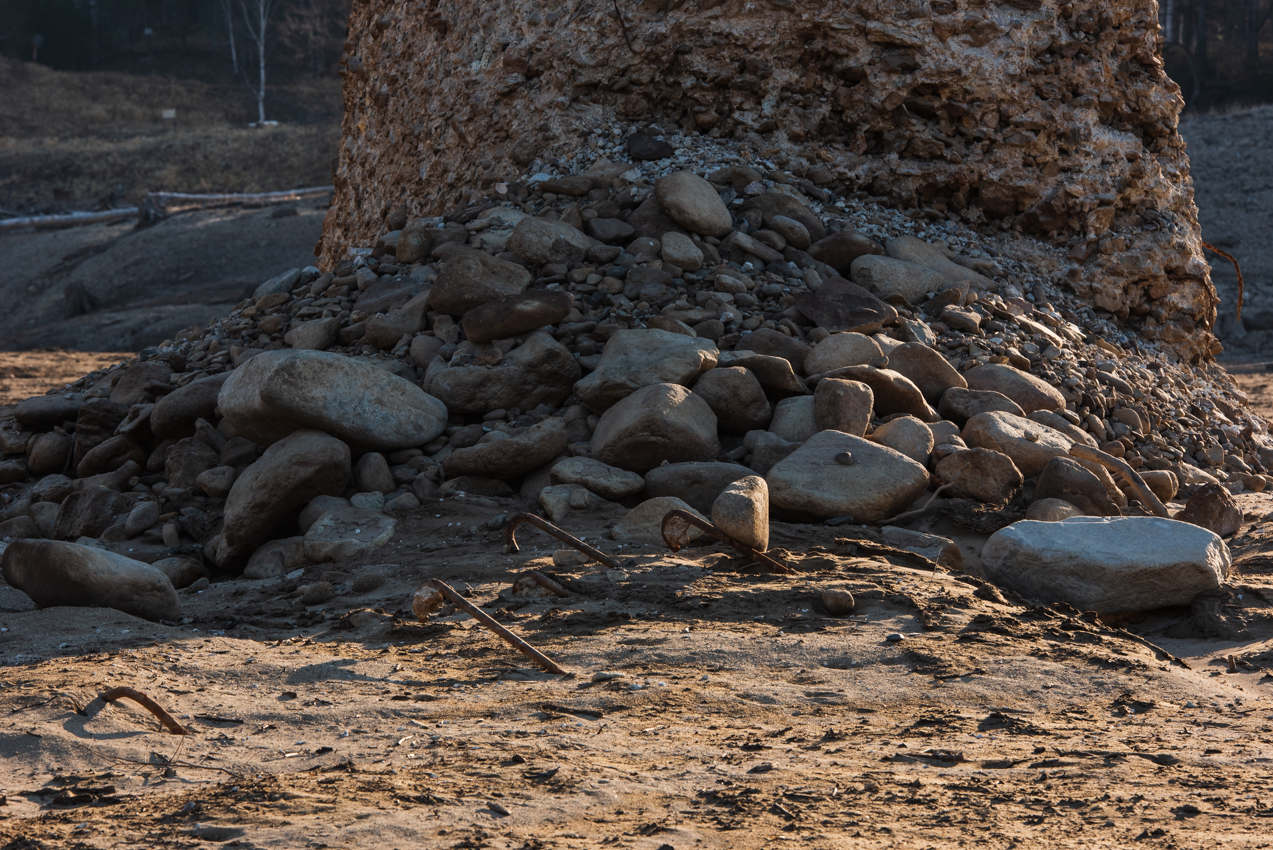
53 222
1130 475
147 703
166 203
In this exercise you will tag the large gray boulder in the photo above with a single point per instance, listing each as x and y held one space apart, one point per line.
471 278
1029 444
280 392
509 455
1031 392
542 240
698 483
1107 564
836 474
294 470
694 204
638 358
661 422
55 574
539 371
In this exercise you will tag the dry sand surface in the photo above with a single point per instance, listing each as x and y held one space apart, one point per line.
731 711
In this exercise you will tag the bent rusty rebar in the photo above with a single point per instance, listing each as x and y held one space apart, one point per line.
510 538
487 620
770 564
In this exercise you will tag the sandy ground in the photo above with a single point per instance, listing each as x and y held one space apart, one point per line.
708 704
731 711
27 373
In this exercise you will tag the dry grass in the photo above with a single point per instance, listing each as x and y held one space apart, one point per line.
73 139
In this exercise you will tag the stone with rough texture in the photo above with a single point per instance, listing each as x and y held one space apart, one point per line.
736 397
772 343
698 483
294 470
1029 444
1030 392
181 570
661 422
109 455
186 460
843 306
794 419
1212 507
541 241
811 482
742 511
638 358
914 250
174 415
766 450
886 276
512 315
644 523
606 481
471 278
1161 482
959 405
318 335
511 456
843 405
47 411
87 513
142 517
693 203
539 371
839 250
1064 478
217 481
1059 423
56 574
1108 564
276 558
49 452
893 392
345 534
983 475
906 435
280 392
1051 510
680 251
840 350
926 369
774 373
372 475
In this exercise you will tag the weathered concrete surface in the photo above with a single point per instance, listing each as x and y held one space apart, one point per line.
1049 116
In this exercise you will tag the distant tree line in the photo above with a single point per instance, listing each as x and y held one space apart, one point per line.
213 40
1219 50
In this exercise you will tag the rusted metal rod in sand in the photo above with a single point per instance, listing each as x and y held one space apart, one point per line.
147 703
770 564
486 620
510 538
1130 475
548 584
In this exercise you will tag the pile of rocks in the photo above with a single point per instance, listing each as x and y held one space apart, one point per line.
735 341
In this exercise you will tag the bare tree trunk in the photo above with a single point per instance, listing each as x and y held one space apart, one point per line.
256 14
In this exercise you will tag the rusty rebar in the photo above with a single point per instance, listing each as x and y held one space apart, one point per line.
510 538
147 703
770 564
486 620
548 584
